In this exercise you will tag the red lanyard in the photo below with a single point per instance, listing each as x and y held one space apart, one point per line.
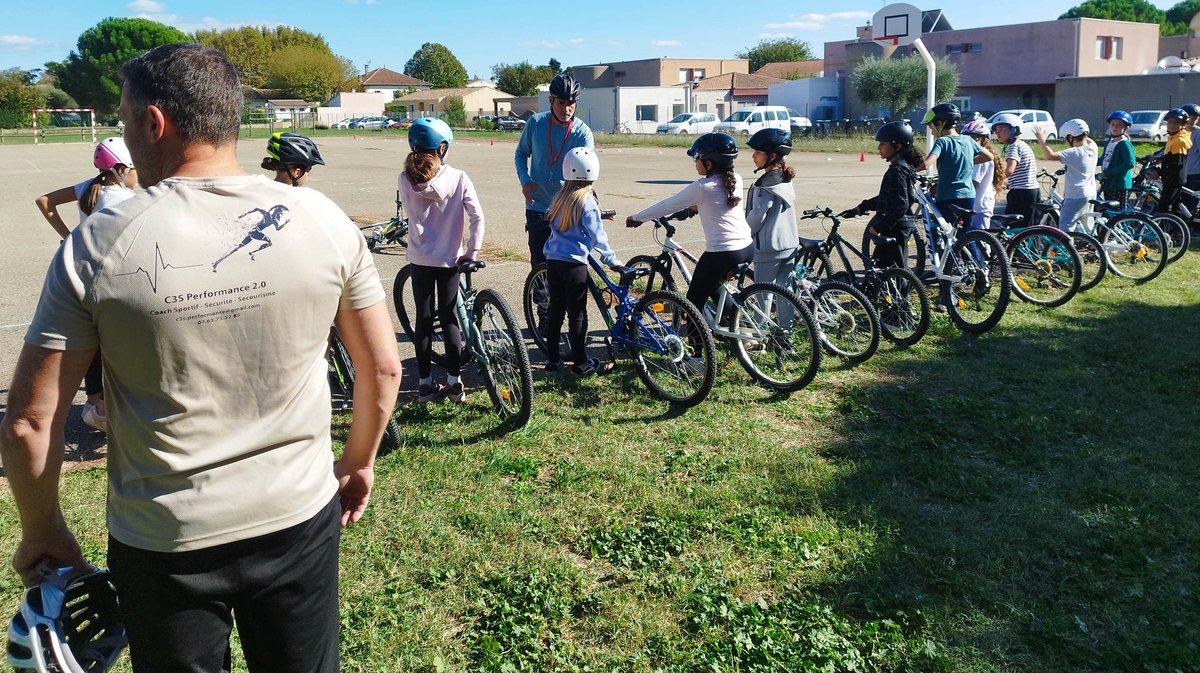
550 145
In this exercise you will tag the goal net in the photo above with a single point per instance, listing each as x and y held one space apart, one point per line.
91 119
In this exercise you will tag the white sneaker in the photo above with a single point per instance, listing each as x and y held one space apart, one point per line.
95 418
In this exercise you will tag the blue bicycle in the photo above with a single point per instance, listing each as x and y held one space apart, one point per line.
664 334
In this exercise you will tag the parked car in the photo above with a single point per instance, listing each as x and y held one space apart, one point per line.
800 124
370 123
1148 125
510 123
345 123
689 123
399 122
1029 119
748 121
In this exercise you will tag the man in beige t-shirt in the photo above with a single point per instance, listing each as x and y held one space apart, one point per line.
224 500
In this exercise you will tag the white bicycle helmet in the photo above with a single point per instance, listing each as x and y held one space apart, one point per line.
70 623
581 164
975 128
1076 128
110 152
1008 119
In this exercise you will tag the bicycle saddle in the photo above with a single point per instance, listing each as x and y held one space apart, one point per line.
1008 220
629 273
1107 205
810 242
472 266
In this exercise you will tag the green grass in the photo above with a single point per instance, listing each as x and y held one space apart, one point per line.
1019 501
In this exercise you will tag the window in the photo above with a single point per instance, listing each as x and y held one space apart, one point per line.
676 109
755 118
704 107
975 47
690 74
619 73
954 49
1109 48
646 113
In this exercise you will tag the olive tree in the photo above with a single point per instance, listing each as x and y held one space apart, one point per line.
899 84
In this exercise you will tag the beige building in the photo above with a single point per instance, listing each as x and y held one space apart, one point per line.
478 100
382 80
656 71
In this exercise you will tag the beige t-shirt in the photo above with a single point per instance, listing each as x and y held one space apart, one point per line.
212 299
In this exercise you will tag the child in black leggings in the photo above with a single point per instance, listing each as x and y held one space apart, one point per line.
575 230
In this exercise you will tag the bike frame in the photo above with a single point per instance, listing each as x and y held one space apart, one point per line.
617 331
938 258
472 339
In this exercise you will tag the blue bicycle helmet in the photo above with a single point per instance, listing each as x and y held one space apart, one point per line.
428 133
1122 115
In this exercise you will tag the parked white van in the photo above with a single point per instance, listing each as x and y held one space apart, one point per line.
1148 125
690 123
748 121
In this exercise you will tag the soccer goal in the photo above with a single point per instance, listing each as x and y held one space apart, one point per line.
76 110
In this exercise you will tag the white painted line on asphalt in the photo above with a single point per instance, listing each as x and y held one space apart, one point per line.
15 325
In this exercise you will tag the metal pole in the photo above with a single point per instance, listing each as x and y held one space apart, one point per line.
930 83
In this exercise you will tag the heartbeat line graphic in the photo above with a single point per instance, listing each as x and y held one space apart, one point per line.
152 274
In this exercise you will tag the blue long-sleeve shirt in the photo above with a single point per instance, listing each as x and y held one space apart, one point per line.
540 162
576 243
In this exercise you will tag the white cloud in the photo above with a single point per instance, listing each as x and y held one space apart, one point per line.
667 43
147 6
773 36
18 42
548 44
576 40
190 24
817 21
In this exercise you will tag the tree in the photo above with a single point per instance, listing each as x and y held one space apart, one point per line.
435 64
456 112
251 49
18 96
557 67
1139 11
90 74
899 84
308 72
776 51
521 79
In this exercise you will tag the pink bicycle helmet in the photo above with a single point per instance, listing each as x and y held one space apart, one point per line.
975 128
110 152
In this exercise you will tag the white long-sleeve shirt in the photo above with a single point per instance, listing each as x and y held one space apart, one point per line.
724 225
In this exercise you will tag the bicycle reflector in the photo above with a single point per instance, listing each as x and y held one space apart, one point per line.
658 306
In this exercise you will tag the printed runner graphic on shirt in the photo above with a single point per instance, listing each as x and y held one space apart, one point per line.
269 218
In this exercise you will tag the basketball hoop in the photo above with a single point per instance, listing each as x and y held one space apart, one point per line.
893 39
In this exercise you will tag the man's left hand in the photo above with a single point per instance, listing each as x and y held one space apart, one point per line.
354 490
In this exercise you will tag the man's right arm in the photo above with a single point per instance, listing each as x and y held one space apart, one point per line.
368 335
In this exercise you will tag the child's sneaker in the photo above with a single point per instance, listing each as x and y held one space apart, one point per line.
456 392
430 392
95 417
586 368
554 366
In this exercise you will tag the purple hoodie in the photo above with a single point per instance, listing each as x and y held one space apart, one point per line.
437 218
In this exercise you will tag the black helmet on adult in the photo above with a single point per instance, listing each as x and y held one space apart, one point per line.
1176 113
1192 109
771 141
944 112
895 132
718 148
293 149
565 88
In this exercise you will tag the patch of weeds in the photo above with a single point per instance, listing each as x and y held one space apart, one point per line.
521 616
649 542
696 465
798 634
516 466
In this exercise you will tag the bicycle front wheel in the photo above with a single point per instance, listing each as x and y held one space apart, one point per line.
673 348
1179 235
341 374
406 311
1135 246
903 306
535 302
982 284
778 344
1093 263
659 278
1045 266
848 322
506 369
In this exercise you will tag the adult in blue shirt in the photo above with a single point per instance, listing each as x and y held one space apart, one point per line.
546 140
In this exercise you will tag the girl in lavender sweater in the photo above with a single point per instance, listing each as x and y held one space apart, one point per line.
442 207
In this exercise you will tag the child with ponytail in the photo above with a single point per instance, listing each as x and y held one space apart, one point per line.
770 206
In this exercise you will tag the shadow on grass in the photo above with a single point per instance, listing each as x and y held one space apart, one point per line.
1034 493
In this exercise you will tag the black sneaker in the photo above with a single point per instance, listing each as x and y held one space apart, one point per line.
586 368
555 366
430 392
456 392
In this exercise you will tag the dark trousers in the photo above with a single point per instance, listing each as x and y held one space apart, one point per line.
710 272
1020 202
93 379
568 288
1117 194
281 588
537 228
435 288
884 255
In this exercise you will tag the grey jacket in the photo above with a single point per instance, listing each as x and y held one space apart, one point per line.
771 214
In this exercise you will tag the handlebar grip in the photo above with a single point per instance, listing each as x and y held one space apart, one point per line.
608 214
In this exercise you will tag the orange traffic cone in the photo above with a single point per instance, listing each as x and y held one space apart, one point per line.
493 141
862 157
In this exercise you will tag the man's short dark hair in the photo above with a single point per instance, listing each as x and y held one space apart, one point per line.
196 86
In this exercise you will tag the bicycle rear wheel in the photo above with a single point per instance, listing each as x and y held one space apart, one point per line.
341 386
1135 247
903 305
673 348
848 321
1179 235
1045 266
1093 263
982 284
782 346
406 311
535 301
506 369
916 252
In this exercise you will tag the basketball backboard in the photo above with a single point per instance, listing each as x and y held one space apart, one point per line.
897 24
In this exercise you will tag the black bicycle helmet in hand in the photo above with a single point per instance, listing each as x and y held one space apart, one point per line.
718 148
898 132
565 88
293 149
68 623
771 141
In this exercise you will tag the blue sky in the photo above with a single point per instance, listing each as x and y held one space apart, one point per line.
482 34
